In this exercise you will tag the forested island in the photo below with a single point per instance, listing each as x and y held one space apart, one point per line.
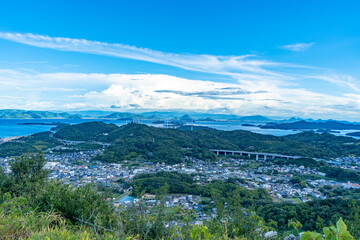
327 125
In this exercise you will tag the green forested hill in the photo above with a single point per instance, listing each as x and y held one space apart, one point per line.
15 149
333 145
41 141
254 142
159 144
171 145
85 131
138 141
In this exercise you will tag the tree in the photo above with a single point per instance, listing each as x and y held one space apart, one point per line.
303 184
27 173
295 180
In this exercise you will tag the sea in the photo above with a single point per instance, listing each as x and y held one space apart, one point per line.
24 127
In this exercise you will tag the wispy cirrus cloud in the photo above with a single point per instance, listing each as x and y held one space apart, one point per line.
227 65
298 47
245 68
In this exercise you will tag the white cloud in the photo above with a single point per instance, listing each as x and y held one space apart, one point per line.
245 69
226 65
263 87
298 47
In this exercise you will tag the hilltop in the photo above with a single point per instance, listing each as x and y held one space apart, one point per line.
137 141
85 131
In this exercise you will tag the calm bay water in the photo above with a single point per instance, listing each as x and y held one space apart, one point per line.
15 127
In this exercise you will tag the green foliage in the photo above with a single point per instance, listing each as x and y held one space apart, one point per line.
177 182
339 232
354 221
15 149
155 144
19 221
75 203
184 184
341 174
41 141
85 131
199 232
28 180
29 144
253 142
332 146
295 180
307 213
27 175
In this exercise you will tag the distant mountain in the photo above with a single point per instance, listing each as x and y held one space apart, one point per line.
187 118
195 115
255 118
22 114
208 119
122 115
331 125
292 119
91 113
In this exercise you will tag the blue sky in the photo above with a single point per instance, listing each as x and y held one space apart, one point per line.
276 58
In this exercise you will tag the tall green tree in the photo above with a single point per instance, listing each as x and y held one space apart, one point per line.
27 174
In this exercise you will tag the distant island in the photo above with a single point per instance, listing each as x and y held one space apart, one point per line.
328 125
248 125
23 114
354 134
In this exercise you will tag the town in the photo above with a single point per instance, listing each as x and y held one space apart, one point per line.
79 168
